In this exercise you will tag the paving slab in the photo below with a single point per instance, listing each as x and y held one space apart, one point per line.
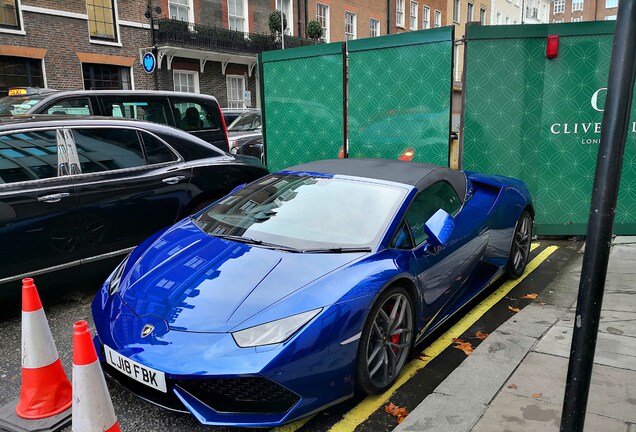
481 375
613 322
611 350
435 415
625 240
513 413
533 320
612 390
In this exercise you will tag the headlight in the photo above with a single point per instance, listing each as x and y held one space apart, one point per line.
274 331
113 285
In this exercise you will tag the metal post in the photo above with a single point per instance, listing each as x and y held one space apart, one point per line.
599 229
282 26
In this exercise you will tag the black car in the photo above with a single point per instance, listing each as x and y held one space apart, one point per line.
196 113
246 135
81 190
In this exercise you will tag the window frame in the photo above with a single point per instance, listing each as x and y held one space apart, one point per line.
130 75
227 84
613 2
195 74
19 28
438 14
426 17
372 29
116 41
470 12
578 4
289 31
559 6
413 18
400 19
457 14
354 25
482 16
325 29
190 7
246 20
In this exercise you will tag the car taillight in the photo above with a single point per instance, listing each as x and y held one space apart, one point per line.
227 139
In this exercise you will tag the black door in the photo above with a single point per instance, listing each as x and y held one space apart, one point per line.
37 204
131 185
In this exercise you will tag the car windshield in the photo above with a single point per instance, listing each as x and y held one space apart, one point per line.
11 105
245 122
305 212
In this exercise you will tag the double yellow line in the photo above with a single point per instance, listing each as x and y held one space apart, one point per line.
369 405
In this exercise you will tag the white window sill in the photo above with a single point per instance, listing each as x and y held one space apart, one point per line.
100 42
413 28
15 32
400 26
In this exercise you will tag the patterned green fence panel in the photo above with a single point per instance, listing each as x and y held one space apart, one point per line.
399 96
539 120
302 104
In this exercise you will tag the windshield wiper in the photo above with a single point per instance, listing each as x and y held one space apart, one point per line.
249 240
337 249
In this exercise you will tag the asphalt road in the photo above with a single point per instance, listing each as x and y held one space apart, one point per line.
137 415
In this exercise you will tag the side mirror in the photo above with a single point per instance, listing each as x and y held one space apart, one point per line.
439 228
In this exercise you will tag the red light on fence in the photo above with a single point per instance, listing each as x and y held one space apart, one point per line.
407 155
552 49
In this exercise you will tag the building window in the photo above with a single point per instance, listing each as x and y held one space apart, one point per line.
289 14
577 5
105 77
9 14
237 15
611 4
558 21
469 12
101 19
456 6
399 13
20 72
498 19
374 27
438 19
235 89
181 10
577 19
322 15
186 81
559 6
610 18
350 26
507 20
413 16
482 16
426 17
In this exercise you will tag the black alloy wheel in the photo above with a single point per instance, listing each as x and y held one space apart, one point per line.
385 342
520 249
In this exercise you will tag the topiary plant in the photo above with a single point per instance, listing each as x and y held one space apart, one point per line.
274 22
314 30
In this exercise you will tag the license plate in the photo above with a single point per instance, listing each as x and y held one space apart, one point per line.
145 375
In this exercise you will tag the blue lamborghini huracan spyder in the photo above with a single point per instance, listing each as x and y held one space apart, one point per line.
294 291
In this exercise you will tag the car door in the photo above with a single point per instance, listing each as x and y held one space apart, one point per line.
130 184
440 271
37 203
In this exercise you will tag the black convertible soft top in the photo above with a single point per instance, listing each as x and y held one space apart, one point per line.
415 174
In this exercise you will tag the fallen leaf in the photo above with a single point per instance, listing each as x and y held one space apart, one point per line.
464 346
542 303
514 309
480 335
531 296
396 411
423 356
512 386
537 395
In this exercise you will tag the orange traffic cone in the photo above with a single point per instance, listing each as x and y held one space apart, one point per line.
46 391
92 408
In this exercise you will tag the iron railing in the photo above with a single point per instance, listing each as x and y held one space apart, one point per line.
204 37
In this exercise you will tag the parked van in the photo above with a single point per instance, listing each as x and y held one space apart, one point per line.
195 113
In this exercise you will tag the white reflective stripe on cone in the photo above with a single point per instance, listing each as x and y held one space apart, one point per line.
38 348
92 408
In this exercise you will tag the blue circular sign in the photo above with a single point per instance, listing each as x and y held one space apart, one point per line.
149 62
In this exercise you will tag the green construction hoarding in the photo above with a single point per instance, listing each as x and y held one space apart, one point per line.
539 119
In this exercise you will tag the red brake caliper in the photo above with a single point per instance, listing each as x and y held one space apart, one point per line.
395 339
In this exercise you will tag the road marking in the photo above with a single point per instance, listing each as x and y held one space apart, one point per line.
370 404
293 427
533 246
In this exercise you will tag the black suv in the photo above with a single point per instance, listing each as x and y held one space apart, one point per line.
197 114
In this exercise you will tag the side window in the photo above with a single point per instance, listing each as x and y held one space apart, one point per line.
28 156
156 151
192 116
152 108
402 239
105 149
440 195
79 106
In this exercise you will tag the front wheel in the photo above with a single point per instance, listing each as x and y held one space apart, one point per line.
385 342
520 249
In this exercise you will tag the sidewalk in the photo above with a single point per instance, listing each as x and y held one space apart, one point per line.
515 379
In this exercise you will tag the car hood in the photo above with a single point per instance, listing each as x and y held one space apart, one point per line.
201 283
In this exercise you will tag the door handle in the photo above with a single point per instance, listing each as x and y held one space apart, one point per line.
173 180
54 197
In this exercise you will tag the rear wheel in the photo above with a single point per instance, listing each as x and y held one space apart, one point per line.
385 342
520 249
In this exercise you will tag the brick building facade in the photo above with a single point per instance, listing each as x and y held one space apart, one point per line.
583 10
